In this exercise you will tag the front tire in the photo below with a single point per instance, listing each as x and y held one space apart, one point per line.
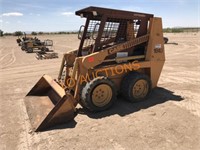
136 86
98 94
23 47
29 50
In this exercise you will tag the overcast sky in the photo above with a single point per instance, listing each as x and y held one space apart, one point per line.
58 15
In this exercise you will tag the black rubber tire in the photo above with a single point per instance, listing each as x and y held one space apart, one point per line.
87 91
23 48
29 50
43 49
46 49
128 83
18 40
166 40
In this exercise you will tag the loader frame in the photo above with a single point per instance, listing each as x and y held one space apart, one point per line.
150 32
110 40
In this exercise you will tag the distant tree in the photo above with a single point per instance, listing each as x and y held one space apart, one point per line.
40 33
6 34
167 30
177 30
18 33
34 33
1 32
62 32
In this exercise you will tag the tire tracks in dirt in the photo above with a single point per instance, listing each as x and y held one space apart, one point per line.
25 137
4 56
190 104
11 61
189 52
146 129
27 73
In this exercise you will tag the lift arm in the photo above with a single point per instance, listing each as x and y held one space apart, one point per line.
97 58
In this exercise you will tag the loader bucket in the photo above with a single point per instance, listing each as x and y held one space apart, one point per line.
47 104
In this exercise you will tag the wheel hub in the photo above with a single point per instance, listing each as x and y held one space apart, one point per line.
102 95
140 89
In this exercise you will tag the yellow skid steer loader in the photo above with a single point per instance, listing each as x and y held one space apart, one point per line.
119 52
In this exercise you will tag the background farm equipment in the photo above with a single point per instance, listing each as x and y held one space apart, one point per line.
44 55
30 45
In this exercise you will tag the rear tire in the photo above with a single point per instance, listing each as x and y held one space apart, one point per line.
136 86
98 94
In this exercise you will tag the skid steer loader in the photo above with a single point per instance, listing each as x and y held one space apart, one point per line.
119 52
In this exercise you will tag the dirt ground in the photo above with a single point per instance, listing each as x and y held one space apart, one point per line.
169 119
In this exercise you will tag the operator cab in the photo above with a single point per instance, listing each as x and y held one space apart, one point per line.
106 27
